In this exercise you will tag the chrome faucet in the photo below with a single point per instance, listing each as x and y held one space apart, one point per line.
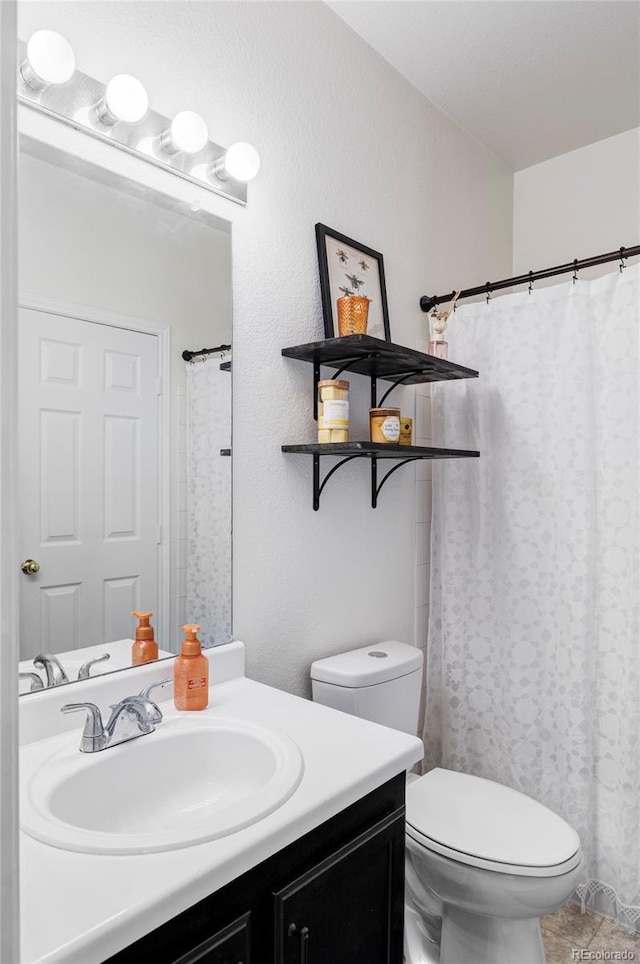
132 717
52 667
55 671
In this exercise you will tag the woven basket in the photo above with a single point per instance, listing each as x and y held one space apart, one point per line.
353 311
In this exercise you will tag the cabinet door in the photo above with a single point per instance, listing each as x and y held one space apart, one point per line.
228 946
349 908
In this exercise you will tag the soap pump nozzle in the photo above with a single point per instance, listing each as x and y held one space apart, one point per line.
191 645
144 629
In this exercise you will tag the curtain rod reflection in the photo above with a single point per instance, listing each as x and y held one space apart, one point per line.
219 349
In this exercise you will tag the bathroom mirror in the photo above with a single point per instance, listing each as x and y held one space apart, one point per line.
124 447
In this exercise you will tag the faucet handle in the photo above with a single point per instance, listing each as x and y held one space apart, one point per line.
35 680
93 736
85 670
147 690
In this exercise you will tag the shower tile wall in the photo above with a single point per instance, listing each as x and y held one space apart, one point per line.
422 436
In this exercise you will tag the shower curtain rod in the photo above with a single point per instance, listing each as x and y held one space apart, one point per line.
427 302
188 355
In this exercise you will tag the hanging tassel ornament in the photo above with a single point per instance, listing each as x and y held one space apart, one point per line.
438 346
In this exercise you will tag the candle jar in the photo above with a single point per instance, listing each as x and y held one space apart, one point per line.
406 430
333 410
353 313
384 424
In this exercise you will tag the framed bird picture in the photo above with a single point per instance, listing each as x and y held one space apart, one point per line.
349 269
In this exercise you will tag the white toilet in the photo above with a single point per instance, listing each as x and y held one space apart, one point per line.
484 862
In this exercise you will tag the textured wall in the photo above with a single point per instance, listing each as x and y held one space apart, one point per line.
346 141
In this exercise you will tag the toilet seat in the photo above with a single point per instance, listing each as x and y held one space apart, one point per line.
484 824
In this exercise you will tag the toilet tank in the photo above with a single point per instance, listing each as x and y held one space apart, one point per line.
380 683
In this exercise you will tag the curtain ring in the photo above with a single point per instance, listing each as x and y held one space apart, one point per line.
575 270
530 281
488 292
622 264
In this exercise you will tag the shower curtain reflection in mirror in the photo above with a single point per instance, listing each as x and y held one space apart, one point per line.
208 498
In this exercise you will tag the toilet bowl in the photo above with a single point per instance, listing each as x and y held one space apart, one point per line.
489 862
483 861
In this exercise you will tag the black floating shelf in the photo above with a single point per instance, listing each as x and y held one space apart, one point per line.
373 451
365 355
388 450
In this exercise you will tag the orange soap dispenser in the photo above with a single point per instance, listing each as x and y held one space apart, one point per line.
191 673
145 648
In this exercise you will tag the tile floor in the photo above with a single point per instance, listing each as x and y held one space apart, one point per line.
569 935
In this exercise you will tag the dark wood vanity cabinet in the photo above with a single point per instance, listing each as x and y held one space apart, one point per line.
346 908
335 896
231 945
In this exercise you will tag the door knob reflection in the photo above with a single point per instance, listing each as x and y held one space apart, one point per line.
30 567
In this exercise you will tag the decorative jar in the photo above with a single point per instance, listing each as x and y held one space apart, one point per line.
333 410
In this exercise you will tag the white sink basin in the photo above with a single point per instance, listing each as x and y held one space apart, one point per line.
193 779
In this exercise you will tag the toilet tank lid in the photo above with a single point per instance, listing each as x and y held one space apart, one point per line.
369 665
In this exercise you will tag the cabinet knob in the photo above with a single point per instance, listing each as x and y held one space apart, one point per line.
30 567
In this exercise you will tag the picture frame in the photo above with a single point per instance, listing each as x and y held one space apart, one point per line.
349 267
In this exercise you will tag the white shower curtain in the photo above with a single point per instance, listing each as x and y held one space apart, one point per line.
534 647
209 500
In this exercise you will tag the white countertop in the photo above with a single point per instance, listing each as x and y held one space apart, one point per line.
79 907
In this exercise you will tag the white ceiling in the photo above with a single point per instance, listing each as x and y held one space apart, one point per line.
530 79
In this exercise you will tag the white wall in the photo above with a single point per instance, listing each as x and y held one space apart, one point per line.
344 140
578 204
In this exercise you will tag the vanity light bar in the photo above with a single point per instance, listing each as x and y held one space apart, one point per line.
119 114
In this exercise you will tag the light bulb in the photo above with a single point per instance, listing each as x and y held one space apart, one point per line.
125 99
188 133
242 162
49 60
